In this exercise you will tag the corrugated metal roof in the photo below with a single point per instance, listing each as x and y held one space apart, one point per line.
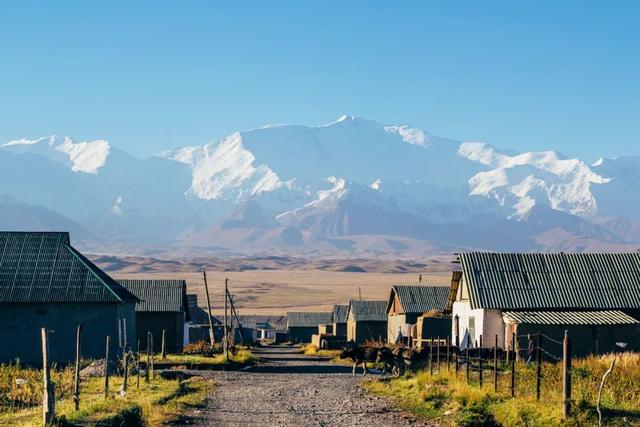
552 281
158 295
368 310
304 319
339 314
419 299
44 267
604 317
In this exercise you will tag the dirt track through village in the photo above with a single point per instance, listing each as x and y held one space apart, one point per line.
290 389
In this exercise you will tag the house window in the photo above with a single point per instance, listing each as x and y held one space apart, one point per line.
472 329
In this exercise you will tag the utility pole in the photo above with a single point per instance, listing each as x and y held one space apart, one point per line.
359 293
212 337
226 332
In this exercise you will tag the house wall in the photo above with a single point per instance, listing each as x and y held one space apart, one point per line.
585 340
155 322
476 322
301 334
340 329
396 322
21 323
359 332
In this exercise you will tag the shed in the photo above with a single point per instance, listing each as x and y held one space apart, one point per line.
366 321
163 306
302 325
46 282
407 302
339 319
596 297
197 327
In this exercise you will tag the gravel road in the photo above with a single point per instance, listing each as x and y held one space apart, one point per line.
287 388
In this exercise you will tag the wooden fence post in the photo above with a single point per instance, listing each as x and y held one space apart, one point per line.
226 331
125 383
76 378
480 352
566 375
164 348
153 372
513 365
146 371
212 336
457 354
539 365
106 368
431 356
138 365
448 354
467 354
438 354
495 365
48 396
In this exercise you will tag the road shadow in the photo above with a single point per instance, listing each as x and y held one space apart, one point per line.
300 369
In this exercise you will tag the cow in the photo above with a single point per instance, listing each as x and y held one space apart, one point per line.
387 358
360 355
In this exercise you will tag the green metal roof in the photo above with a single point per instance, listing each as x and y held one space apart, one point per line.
552 281
339 314
604 317
158 295
305 319
375 311
419 299
44 267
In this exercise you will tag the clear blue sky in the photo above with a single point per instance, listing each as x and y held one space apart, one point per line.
148 76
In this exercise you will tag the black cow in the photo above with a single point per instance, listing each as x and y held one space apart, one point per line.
360 355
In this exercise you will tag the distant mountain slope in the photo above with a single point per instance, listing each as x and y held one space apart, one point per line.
351 185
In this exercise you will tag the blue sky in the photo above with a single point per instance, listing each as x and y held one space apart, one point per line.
148 76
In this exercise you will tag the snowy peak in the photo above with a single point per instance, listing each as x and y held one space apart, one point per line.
86 156
225 170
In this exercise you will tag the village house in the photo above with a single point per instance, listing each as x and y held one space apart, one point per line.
596 297
162 306
366 321
301 326
46 282
407 302
197 327
339 320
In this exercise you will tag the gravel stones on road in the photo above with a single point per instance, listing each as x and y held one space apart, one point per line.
290 389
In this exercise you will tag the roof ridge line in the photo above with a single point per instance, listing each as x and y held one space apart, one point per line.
79 257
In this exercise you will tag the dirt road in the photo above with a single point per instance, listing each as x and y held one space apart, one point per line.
289 389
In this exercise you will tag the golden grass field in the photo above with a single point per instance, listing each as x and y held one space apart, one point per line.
299 288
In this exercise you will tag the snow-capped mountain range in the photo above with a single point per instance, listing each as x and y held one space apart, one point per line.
352 186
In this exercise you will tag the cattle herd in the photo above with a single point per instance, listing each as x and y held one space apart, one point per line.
397 360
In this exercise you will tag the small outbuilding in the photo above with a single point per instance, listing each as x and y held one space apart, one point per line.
366 321
407 302
163 306
46 282
301 326
339 319
596 297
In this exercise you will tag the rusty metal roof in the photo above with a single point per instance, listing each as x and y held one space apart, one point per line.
158 295
603 317
339 314
305 319
552 281
43 267
418 298
363 311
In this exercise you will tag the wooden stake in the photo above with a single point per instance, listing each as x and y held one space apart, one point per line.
448 354
124 333
164 348
438 354
226 331
566 375
48 397
138 365
513 365
495 365
119 333
467 351
146 371
106 368
212 337
539 365
76 379
481 362
431 356
153 372
125 383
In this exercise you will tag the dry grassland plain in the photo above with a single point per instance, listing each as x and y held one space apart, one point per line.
303 288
